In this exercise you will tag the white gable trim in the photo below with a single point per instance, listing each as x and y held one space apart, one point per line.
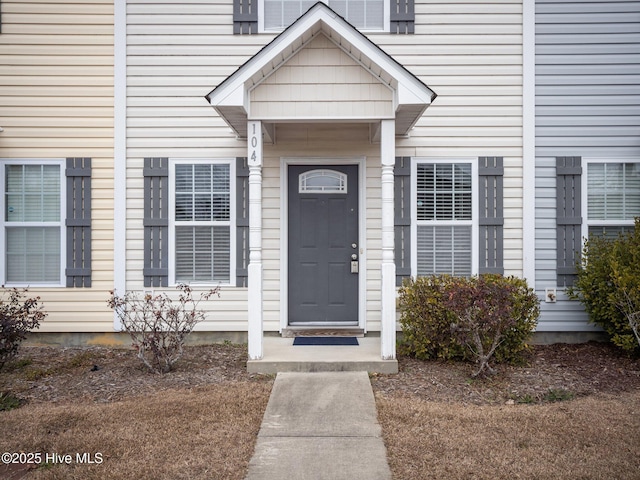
230 98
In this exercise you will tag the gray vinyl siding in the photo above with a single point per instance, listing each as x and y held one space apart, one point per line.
587 105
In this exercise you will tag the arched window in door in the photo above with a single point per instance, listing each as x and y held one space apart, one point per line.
322 181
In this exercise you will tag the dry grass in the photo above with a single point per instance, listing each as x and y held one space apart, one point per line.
596 437
205 433
201 420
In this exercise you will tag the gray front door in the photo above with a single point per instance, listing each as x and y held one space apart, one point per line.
323 243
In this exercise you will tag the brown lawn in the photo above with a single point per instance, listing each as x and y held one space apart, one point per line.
570 412
589 438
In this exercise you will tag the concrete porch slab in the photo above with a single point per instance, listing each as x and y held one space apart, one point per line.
279 355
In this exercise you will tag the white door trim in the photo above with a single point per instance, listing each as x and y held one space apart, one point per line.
361 162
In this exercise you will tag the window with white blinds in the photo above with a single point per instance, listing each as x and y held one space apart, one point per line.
613 196
32 230
444 218
202 222
362 14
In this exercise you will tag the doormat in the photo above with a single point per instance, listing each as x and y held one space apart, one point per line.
325 341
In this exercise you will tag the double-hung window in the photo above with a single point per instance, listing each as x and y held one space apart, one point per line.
366 15
612 196
32 222
201 222
443 224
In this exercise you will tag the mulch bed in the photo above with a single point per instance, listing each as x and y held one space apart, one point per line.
49 374
549 373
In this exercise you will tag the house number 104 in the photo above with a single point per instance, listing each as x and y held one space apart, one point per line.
255 144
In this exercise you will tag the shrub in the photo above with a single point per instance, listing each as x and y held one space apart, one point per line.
608 285
19 315
158 327
484 311
426 323
468 318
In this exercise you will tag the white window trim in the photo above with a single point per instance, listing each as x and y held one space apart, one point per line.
232 216
586 223
386 20
474 209
60 223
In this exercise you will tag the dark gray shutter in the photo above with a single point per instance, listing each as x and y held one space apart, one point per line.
491 216
242 221
156 222
568 218
245 16
402 220
78 222
402 16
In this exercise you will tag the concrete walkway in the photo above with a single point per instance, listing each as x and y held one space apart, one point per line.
320 426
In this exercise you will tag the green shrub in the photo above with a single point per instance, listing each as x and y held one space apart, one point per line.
426 323
608 285
445 317
525 311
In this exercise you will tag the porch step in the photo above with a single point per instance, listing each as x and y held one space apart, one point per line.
291 332
280 355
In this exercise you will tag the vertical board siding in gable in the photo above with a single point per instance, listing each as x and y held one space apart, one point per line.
321 81
78 222
156 222
402 222
491 216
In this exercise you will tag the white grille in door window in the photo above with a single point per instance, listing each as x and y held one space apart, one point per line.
322 181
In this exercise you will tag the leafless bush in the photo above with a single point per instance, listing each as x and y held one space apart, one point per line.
158 326
629 303
18 316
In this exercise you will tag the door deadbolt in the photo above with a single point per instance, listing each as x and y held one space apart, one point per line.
354 257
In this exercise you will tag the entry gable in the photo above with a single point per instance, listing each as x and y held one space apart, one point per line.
403 96
321 81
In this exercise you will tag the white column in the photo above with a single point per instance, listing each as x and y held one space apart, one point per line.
255 328
388 327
